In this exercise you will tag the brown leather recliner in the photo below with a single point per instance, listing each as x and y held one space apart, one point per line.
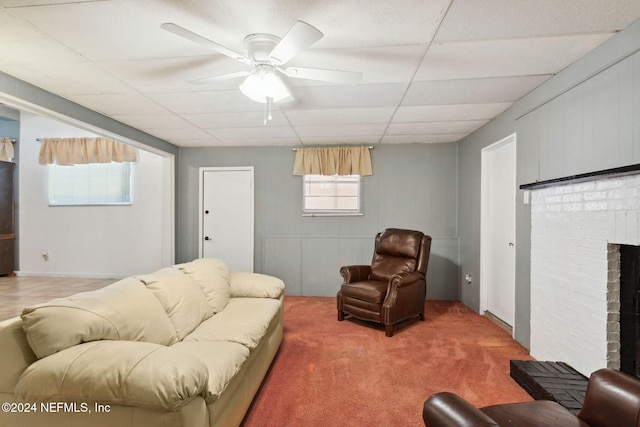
612 399
393 288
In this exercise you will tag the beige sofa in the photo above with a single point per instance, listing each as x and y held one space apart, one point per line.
188 345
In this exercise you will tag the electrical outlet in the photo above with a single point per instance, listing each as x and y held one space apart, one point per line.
467 278
45 255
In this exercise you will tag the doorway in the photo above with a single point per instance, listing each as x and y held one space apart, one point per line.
498 211
226 216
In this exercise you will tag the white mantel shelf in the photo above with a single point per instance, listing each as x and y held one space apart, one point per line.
606 173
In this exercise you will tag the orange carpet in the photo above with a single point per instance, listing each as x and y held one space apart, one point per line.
330 373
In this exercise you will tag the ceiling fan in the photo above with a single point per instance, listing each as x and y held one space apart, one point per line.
268 54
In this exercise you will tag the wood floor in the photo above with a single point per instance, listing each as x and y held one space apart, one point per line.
18 292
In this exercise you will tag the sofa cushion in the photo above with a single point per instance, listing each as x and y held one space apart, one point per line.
116 372
125 310
222 358
183 300
255 285
243 321
212 275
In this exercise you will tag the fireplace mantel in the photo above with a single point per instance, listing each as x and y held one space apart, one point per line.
606 173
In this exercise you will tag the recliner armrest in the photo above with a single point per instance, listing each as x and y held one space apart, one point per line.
355 273
612 399
404 279
450 410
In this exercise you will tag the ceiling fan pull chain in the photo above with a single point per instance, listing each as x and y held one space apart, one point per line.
267 109
265 114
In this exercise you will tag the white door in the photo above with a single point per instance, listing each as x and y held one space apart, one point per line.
498 229
226 216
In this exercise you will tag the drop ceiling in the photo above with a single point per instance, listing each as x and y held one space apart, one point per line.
433 71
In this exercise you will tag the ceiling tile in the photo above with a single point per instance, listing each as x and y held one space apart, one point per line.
340 116
443 113
340 140
154 121
204 102
253 132
69 78
22 44
471 91
341 130
121 103
428 128
499 58
422 139
493 19
184 134
175 74
235 120
338 96
377 64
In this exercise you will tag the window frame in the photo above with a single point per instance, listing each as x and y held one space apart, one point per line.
126 200
347 179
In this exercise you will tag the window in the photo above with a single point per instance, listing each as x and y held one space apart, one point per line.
90 184
332 195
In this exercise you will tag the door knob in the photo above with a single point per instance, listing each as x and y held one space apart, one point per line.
207 238
511 244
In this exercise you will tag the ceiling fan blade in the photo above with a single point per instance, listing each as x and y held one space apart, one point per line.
299 37
332 76
196 38
221 77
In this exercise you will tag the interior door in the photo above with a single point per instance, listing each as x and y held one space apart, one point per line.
226 212
498 229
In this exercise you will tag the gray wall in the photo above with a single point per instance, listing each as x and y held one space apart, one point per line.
413 186
584 119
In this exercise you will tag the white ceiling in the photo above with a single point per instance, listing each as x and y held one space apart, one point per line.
433 71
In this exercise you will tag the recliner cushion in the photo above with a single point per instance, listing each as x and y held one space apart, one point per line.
365 290
396 252
533 414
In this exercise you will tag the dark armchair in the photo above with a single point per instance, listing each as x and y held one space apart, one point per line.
393 288
612 399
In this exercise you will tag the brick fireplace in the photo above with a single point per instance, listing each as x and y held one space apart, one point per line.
577 227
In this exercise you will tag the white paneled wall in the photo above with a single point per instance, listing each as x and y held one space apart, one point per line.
91 241
575 229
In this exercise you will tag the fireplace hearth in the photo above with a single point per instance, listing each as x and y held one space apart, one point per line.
554 381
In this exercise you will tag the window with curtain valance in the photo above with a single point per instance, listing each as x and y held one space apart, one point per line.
87 171
346 160
6 149
77 151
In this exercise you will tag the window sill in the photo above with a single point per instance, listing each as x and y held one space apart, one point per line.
333 214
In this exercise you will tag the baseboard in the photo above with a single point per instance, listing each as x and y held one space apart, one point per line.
499 322
73 275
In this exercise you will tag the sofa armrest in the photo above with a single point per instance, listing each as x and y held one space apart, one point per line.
355 273
612 399
16 354
129 373
255 285
450 410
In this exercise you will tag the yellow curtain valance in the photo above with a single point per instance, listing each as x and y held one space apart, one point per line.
6 149
333 161
75 151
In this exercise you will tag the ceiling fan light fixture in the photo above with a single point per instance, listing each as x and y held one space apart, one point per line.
264 83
